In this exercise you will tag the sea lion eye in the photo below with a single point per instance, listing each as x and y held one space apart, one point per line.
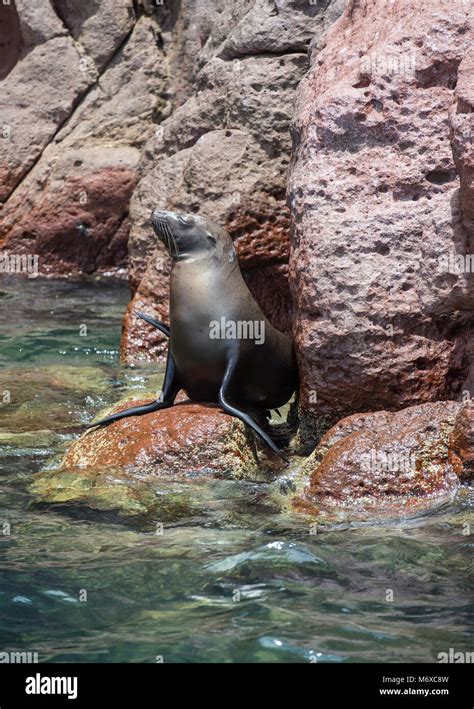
183 220
212 240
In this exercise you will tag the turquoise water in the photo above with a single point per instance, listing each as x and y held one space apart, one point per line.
232 578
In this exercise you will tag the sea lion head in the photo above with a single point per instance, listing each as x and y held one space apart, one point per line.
192 236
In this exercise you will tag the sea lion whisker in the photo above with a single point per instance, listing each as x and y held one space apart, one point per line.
175 245
168 236
163 227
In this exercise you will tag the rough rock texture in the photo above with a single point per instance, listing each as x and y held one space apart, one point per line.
11 42
37 94
462 442
381 198
100 27
186 440
74 131
461 119
224 150
387 463
137 465
139 341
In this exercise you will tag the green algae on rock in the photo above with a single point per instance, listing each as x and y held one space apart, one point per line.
111 490
61 386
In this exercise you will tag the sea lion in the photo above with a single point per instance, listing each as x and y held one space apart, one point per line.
222 348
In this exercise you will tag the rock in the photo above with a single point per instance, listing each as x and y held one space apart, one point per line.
69 235
11 41
385 464
70 198
186 440
98 27
29 439
139 341
66 388
269 286
38 94
462 443
380 206
139 465
461 119
224 149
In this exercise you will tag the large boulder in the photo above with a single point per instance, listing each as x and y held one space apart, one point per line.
38 94
224 150
122 466
386 464
75 131
381 198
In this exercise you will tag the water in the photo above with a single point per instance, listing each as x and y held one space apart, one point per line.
232 578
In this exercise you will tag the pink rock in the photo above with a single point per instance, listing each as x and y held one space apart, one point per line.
381 208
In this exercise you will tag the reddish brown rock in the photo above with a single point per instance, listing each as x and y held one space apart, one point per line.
79 224
382 319
261 239
269 286
462 138
140 341
385 463
186 440
462 442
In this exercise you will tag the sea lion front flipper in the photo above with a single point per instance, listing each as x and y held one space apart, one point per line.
242 415
168 395
155 323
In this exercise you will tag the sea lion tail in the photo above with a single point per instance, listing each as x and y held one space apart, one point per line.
155 323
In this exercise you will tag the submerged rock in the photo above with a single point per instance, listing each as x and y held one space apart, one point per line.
186 440
385 464
63 387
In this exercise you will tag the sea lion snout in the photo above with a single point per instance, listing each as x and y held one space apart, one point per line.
184 234
159 219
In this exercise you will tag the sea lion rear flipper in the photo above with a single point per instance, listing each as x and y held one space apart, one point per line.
168 395
155 323
242 415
